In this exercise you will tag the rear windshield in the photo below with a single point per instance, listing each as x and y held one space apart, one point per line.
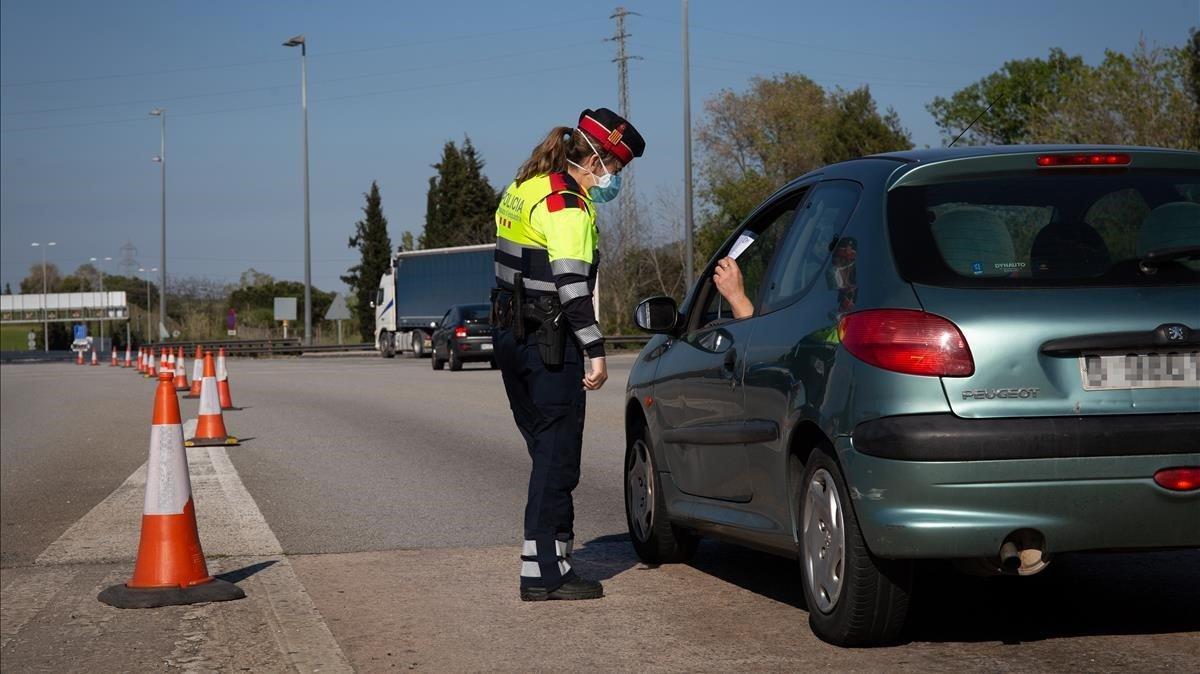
476 312
1069 228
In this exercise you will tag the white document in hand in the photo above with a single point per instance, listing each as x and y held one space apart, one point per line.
744 240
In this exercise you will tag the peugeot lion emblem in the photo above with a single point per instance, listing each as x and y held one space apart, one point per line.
1175 333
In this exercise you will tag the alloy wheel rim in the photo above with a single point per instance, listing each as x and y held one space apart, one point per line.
824 540
639 491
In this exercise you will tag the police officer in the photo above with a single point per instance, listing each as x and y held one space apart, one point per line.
546 261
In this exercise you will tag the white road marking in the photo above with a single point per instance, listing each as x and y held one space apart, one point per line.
231 526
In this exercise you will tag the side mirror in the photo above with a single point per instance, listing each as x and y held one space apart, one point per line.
657 314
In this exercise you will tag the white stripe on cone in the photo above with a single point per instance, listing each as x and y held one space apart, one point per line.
198 370
222 373
210 405
168 486
182 364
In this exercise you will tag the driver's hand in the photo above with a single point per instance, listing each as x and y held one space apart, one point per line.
593 380
728 279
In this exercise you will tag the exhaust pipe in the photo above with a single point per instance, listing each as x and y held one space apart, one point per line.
1010 557
1023 553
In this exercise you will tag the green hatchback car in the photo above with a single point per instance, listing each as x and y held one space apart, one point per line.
986 355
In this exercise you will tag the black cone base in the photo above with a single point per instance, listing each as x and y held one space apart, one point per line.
123 596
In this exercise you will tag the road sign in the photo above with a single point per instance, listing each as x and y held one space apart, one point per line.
338 310
285 308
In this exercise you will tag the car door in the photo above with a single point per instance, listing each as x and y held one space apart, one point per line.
441 336
812 283
698 394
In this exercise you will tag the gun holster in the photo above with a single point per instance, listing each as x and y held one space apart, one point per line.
551 333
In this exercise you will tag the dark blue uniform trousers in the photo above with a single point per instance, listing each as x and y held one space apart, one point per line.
548 406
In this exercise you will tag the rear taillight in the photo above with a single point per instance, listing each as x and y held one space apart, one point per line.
907 341
1178 479
1095 159
460 331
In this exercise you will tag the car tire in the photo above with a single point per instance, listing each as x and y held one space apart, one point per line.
437 363
853 597
455 362
418 344
655 539
387 345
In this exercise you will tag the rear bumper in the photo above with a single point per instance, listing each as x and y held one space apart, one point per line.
473 348
960 509
945 437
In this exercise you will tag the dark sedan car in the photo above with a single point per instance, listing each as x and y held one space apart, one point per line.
464 335
985 355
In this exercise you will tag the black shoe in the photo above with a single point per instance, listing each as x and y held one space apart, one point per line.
575 588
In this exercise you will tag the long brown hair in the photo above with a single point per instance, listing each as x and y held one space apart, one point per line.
559 146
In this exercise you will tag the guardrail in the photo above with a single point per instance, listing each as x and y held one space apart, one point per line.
261 347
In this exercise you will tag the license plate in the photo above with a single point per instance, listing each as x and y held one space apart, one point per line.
1140 370
486 346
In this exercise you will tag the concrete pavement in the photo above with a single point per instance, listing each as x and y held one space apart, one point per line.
372 517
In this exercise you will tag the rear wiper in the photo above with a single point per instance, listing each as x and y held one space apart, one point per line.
1149 262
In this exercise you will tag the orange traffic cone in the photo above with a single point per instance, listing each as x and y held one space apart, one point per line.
115 362
151 370
79 358
128 355
210 425
197 374
95 358
223 382
168 360
181 382
170 567
141 359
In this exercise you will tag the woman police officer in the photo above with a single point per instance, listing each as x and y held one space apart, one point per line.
546 261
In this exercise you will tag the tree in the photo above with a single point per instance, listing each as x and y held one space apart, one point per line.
372 241
461 204
1142 98
85 278
254 298
33 282
752 143
406 241
1016 93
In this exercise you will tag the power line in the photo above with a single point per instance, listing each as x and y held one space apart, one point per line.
170 71
809 45
385 92
231 92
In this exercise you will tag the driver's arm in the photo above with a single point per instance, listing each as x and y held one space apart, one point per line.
728 279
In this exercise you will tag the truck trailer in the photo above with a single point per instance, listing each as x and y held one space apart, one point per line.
420 286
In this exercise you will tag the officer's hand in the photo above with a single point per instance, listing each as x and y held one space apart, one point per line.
593 380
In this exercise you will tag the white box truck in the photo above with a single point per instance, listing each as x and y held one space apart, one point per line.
420 286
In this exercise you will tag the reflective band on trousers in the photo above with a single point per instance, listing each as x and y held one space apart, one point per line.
506 274
572 290
589 334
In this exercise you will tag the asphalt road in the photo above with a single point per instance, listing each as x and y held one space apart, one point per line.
395 493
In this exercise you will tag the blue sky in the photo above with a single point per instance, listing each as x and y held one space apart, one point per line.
390 82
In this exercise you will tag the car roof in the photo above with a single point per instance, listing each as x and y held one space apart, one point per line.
965 151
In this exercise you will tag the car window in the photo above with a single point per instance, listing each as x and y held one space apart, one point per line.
768 229
1060 230
810 241
447 320
476 313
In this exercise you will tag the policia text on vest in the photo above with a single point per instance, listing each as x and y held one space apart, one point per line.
546 263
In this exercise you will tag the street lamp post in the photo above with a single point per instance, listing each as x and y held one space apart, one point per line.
161 113
687 157
45 320
298 41
104 300
151 270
